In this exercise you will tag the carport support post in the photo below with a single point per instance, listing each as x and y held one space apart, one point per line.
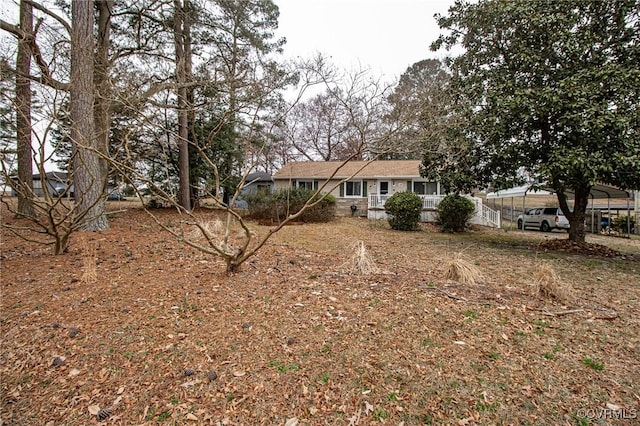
512 209
628 218
524 199
592 214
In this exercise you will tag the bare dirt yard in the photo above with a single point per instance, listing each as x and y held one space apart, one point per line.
148 331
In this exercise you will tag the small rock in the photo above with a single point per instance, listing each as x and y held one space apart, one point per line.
212 376
291 340
57 361
56 325
188 372
246 325
73 332
66 288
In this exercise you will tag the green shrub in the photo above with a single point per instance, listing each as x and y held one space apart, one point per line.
620 223
276 206
454 213
404 209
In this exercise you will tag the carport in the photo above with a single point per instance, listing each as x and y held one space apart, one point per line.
598 191
518 191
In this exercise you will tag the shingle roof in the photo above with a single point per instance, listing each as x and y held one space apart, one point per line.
259 177
375 169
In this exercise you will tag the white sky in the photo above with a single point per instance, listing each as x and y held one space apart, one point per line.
386 36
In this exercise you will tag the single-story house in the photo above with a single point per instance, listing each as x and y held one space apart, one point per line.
362 187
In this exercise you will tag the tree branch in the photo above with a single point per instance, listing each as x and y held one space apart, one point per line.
43 9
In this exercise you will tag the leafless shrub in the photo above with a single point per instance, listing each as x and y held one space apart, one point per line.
549 285
361 262
462 271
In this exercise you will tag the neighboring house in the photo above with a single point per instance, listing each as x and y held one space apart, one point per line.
55 183
361 188
257 181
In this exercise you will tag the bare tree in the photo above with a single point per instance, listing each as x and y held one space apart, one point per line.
337 123
53 216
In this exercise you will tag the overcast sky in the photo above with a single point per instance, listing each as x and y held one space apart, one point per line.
386 36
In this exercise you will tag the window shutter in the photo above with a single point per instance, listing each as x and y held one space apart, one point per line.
409 188
342 189
364 188
293 183
315 185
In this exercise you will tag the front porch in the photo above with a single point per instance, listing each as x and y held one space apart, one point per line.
483 216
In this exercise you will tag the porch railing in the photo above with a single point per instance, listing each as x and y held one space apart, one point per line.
430 202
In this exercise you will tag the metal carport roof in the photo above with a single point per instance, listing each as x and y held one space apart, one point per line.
597 191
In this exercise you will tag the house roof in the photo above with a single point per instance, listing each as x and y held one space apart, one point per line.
258 177
362 169
56 176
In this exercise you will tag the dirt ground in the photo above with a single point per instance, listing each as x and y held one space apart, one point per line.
148 331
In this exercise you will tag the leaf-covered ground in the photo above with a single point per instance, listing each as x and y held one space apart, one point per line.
160 335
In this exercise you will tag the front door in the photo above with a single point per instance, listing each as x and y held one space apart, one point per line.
383 188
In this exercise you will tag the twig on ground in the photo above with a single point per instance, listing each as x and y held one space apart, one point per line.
449 295
545 311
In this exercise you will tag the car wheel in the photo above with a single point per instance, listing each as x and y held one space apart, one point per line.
545 227
519 224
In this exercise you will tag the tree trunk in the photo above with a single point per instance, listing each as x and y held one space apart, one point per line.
184 199
102 107
88 176
190 97
576 218
23 115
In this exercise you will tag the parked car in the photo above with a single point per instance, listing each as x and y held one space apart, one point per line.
544 219
115 195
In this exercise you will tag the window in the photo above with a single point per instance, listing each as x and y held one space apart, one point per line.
425 188
353 189
384 188
305 184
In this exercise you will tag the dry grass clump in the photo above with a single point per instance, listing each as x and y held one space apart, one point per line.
89 259
549 285
361 262
462 271
212 228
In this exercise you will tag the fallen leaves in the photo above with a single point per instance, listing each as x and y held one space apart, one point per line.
367 350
